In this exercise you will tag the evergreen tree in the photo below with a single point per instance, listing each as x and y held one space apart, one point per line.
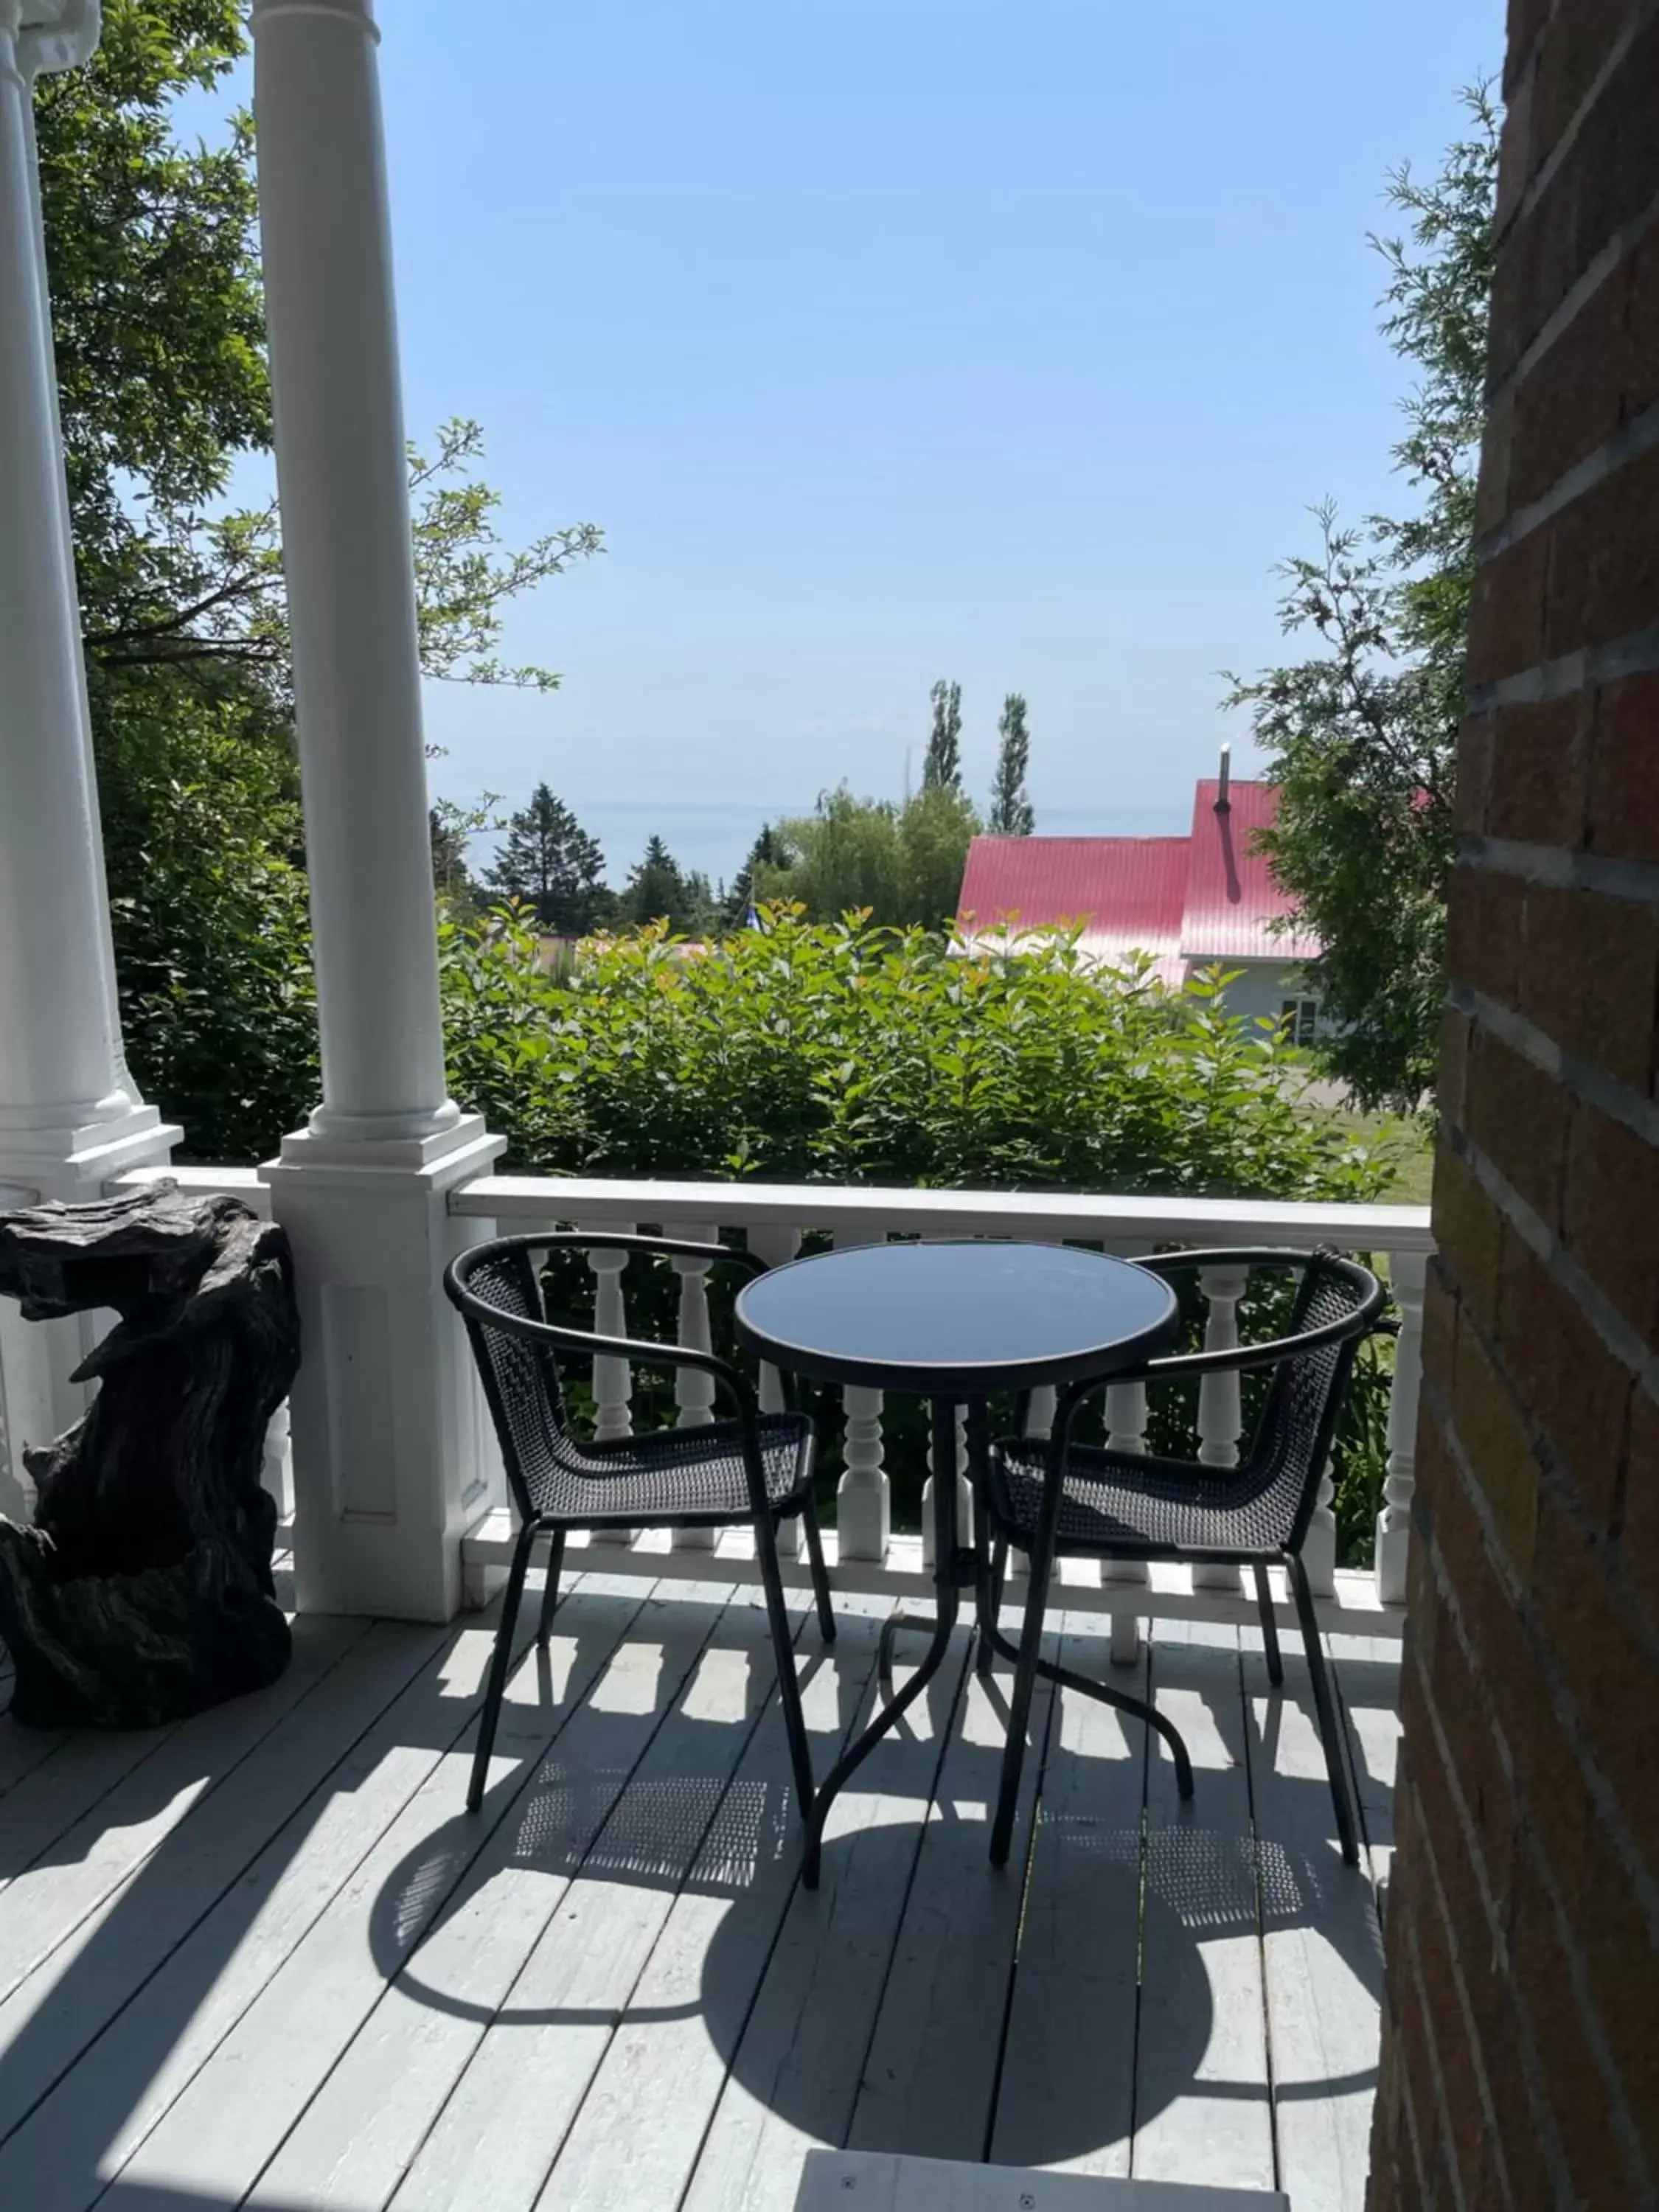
767 860
1012 814
659 890
549 861
941 762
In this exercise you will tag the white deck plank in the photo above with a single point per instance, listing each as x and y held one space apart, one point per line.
496 2141
1202 2111
218 2135
1067 2076
142 1929
795 2078
931 2076
849 2181
630 2143
48 1801
1368 1685
1323 1953
45 1903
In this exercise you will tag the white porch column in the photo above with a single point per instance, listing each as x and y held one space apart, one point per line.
71 1115
389 1464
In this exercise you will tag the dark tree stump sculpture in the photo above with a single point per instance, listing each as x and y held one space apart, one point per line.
143 1591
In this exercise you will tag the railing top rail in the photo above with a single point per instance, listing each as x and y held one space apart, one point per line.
597 1201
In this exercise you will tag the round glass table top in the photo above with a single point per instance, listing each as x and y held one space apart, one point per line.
970 1318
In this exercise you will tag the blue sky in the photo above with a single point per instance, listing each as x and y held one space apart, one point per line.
1007 340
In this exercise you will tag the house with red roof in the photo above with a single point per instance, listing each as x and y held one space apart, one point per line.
1204 900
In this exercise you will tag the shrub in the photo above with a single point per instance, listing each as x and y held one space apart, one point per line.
845 1053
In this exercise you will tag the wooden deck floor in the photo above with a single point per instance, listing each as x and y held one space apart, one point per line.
266 1958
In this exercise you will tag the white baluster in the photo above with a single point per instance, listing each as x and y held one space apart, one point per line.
1219 1415
776 1243
1408 1273
1126 1432
864 1507
276 1467
613 1382
964 1489
1319 1546
694 1389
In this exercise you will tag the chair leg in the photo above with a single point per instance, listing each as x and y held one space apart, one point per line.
1264 1598
809 1514
551 1588
783 1646
1039 1573
993 1569
1330 1726
500 1659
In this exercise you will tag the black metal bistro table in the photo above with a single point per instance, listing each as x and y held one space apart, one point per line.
952 1322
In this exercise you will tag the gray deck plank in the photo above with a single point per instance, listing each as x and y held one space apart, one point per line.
43 1905
1321 1951
218 2138
930 2079
795 2078
631 2143
496 2140
1202 2109
1065 2098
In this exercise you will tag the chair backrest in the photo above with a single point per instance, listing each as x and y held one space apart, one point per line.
521 1377
1297 1425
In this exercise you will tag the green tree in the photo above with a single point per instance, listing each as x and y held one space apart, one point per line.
1012 814
158 323
1361 736
551 864
942 762
659 890
900 863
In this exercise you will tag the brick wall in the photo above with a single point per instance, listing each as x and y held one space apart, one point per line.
1520 2051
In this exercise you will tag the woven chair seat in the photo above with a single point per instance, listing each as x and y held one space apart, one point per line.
668 1477
1126 1502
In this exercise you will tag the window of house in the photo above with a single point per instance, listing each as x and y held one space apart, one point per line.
1300 1020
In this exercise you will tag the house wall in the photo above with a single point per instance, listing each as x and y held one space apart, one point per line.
1521 2053
1258 987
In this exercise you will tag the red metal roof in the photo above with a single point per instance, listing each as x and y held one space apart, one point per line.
1185 899
1232 898
1129 892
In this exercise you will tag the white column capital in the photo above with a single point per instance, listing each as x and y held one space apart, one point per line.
50 34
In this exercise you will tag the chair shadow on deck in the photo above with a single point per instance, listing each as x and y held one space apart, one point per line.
1125 1892
688 1809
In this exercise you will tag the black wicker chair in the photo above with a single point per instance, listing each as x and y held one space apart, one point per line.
1056 1500
754 1467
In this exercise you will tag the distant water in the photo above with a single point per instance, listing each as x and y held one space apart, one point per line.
716 835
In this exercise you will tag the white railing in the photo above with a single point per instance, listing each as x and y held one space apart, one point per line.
864 1554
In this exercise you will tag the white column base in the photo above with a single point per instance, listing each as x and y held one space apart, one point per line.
65 1165
392 1457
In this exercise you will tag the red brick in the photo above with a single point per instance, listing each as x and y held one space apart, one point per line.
1539 772
1623 797
1473 775
1571 402
1524 21
1636 1546
1484 924
1508 613
1606 1669
1621 1962
1610 1214
1498 1449
1572 51
1591 977
1576 2091
1518 1117
1469 1231
1578 1392
1603 568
